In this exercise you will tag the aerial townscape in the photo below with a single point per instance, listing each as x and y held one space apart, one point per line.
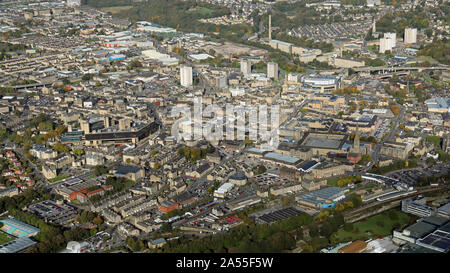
99 152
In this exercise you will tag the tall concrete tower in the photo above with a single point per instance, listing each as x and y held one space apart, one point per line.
270 27
186 76
374 26
272 70
410 35
246 67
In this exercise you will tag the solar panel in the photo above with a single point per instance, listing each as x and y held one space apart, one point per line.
442 244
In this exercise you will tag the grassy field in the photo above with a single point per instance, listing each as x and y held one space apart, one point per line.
202 11
116 10
333 181
376 226
57 178
4 238
425 59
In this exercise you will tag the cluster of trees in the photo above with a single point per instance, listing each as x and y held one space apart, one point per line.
194 154
436 140
100 170
288 15
364 160
398 21
15 34
59 147
276 237
397 165
22 82
426 181
353 106
369 139
135 244
8 47
244 238
347 91
418 92
438 50
260 169
342 182
51 238
443 156
175 14
78 152
134 64
320 232
394 108
28 196
87 77
87 216
374 62
399 95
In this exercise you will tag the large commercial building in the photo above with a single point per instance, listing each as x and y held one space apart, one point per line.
121 134
321 83
438 105
283 46
322 144
130 172
282 160
348 62
417 207
322 198
396 149
410 35
222 191
431 232
272 70
186 76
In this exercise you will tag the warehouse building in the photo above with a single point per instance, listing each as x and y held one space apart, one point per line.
222 191
16 246
322 144
322 198
282 160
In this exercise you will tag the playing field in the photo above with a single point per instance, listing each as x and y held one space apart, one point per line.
379 225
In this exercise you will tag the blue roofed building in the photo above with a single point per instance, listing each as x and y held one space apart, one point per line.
18 228
322 198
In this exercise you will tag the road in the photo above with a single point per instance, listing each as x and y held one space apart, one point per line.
203 82
390 137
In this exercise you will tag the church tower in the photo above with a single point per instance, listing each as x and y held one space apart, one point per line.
356 145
